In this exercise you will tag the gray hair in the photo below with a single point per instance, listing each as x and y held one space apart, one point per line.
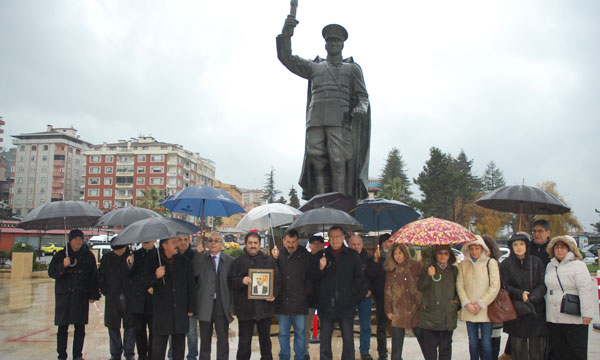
216 233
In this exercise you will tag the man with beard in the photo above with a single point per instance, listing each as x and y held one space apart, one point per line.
252 311
115 285
76 287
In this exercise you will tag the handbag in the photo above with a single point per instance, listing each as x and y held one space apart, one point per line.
502 308
570 302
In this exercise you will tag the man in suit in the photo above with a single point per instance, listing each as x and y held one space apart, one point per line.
215 306
262 286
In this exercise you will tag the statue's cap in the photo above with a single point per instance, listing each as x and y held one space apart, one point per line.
336 31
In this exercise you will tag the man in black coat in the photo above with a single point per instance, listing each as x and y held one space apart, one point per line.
174 298
541 237
342 286
291 303
141 300
115 285
378 285
215 305
75 288
250 312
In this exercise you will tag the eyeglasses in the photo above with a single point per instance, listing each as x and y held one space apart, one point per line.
560 247
445 253
214 240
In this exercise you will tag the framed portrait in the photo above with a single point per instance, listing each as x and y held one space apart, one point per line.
261 283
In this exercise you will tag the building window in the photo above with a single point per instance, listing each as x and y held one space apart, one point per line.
22 148
193 177
33 147
43 190
107 181
108 169
107 192
94 169
141 181
45 148
179 171
178 182
139 193
78 152
21 169
31 179
109 158
43 180
156 181
59 157
19 190
30 202
141 158
30 191
33 158
123 158
106 204
124 180
179 160
157 169
94 192
157 158
94 181
95 158
44 169
45 158
141 169
93 202
19 180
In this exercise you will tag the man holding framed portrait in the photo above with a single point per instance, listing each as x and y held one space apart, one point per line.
254 280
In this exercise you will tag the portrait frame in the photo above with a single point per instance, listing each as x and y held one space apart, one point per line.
264 290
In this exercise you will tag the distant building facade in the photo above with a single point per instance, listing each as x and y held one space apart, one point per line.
236 194
48 166
252 198
117 174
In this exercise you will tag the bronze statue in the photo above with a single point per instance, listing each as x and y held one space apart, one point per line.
338 116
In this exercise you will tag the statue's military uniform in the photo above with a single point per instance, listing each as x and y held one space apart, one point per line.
336 87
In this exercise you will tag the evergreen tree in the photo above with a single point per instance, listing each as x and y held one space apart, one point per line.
282 200
395 168
294 201
493 178
435 183
269 188
465 187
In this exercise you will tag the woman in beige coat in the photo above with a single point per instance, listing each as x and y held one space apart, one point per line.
477 285
401 296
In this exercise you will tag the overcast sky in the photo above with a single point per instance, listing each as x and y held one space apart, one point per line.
516 82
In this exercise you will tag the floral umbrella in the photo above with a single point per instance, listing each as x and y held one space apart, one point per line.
432 231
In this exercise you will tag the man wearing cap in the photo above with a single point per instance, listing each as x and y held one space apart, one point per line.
337 112
76 287
116 286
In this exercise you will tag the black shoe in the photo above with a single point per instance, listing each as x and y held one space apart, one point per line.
306 357
365 357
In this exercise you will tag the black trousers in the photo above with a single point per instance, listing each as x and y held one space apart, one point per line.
568 341
246 327
143 339
346 325
62 337
437 345
159 346
397 342
528 348
222 328
382 321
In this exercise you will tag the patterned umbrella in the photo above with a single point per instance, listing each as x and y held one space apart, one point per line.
432 231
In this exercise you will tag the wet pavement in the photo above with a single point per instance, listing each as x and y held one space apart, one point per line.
27 329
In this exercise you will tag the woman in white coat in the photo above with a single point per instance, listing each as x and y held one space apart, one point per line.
567 274
477 284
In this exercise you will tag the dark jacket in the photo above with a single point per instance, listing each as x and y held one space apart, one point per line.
313 298
189 253
439 302
519 275
539 250
342 283
295 283
141 300
368 268
172 299
247 309
74 286
378 280
115 284
206 288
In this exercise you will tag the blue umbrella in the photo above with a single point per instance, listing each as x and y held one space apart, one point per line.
382 214
201 201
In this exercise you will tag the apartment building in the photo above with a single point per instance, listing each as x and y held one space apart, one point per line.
117 174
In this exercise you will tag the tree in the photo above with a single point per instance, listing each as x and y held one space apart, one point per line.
294 201
435 182
493 178
269 188
151 199
465 187
395 190
395 168
281 200
596 225
559 224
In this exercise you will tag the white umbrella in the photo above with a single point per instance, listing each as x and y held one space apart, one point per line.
267 216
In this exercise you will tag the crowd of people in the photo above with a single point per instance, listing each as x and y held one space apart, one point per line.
160 297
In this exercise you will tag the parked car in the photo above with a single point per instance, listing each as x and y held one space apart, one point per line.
101 249
593 248
100 239
51 249
459 255
589 258
504 253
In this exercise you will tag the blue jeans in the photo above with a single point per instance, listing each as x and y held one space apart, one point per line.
364 320
119 346
285 323
473 330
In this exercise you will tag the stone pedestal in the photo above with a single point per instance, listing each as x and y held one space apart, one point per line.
21 266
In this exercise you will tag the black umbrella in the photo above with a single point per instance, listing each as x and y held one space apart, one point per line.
383 214
125 216
321 219
333 200
154 228
523 199
61 215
